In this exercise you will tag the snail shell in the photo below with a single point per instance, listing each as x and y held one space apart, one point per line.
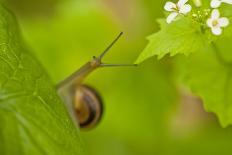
88 106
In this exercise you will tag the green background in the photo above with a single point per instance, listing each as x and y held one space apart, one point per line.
147 110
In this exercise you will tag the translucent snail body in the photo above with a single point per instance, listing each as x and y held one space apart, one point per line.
84 103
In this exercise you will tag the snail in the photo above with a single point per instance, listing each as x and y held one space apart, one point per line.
83 102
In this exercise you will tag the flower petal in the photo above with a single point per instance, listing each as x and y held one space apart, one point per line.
227 1
181 3
197 3
215 3
216 30
185 9
171 17
223 22
215 14
210 22
169 6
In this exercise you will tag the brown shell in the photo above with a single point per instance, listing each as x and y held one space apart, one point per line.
88 106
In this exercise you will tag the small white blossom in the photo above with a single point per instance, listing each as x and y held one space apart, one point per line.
197 3
215 22
180 8
217 3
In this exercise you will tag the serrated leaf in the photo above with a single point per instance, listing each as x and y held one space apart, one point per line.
182 36
33 119
210 76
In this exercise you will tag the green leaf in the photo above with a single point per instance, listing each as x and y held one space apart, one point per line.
210 76
182 36
33 118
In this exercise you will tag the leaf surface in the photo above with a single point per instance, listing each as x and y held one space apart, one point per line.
209 75
180 37
33 118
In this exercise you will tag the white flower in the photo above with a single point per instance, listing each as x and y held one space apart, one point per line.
180 8
197 3
215 22
217 3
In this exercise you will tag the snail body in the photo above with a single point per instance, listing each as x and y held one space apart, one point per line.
83 102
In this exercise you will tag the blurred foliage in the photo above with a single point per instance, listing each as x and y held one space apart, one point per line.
187 35
146 111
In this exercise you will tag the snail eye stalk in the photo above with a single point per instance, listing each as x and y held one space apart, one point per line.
118 65
84 103
107 50
110 46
